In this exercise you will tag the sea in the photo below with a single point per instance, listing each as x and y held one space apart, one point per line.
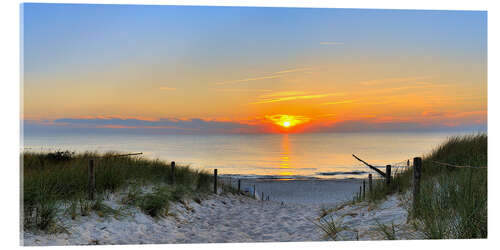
265 156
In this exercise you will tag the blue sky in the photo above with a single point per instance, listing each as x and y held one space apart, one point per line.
216 63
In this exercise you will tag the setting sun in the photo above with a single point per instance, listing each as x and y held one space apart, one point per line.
287 121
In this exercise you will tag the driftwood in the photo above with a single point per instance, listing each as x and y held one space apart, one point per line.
370 166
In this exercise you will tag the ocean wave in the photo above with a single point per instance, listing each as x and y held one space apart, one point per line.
356 172
273 177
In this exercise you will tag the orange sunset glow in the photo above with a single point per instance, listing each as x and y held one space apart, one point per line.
288 120
258 81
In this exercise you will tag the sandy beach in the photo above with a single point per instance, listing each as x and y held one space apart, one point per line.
317 192
291 216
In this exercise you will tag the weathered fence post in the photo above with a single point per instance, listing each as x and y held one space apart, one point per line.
239 185
360 192
388 174
254 191
370 181
215 181
417 173
364 189
172 172
91 181
262 198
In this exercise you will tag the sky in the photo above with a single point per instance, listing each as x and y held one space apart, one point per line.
186 69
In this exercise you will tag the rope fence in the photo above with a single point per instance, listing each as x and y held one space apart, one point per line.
391 170
399 167
454 166
123 155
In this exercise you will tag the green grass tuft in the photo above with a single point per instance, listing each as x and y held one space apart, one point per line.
330 227
453 201
53 179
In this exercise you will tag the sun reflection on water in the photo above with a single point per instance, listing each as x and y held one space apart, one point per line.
285 154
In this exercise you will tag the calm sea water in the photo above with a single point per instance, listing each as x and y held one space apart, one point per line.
269 155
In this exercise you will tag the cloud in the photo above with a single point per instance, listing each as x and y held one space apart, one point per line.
292 70
433 114
243 90
283 93
275 75
292 95
331 43
167 88
398 126
249 79
387 90
392 80
280 118
164 125
327 115
339 102
477 114
475 120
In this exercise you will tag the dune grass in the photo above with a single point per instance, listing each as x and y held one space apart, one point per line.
453 201
58 180
330 227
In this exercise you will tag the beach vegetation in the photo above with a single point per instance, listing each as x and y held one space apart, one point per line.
156 204
453 200
58 181
330 227
389 232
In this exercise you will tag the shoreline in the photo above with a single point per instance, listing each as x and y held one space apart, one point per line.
319 192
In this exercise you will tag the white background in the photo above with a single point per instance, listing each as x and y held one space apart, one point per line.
11 99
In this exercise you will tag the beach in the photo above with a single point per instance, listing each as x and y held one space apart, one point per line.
291 214
314 191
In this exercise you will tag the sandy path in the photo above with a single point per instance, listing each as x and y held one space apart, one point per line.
240 219
224 218
317 192
231 218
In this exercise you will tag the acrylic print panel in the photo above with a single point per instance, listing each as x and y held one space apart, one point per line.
147 124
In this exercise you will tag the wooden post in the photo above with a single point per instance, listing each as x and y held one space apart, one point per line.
364 189
215 181
91 181
254 191
239 186
370 182
417 173
172 172
360 188
388 174
262 198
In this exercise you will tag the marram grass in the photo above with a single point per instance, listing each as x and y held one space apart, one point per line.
58 181
453 201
